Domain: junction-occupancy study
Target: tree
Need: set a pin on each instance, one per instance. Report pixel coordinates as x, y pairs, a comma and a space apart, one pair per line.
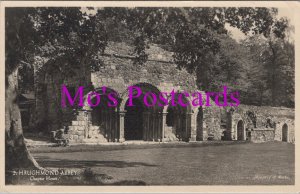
230, 67
19, 45
49, 33
273, 72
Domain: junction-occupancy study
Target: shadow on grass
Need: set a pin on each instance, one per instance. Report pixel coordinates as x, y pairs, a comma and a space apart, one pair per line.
84, 148
52, 163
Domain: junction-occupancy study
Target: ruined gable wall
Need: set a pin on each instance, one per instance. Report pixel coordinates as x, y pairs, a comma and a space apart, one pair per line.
49, 113
118, 70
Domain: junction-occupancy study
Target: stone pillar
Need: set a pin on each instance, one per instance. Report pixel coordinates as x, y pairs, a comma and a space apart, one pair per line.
229, 126
154, 126
103, 123
147, 125
159, 126
186, 127
150, 128
114, 125
121, 126
144, 126
233, 129
108, 132
111, 125
163, 125
181, 128
193, 123
177, 121
88, 123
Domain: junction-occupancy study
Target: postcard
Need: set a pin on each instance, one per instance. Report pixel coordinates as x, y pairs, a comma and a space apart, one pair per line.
149, 96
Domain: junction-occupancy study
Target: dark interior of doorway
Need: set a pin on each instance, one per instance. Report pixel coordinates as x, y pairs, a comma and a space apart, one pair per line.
134, 121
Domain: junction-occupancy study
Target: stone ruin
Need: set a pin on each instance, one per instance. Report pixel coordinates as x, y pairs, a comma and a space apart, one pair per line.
117, 71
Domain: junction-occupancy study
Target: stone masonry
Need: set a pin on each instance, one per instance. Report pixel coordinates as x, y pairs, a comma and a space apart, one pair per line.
117, 71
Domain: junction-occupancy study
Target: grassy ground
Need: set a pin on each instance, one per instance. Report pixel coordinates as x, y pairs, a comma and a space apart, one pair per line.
180, 164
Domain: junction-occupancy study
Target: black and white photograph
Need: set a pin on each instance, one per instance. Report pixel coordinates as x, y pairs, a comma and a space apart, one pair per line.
149, 95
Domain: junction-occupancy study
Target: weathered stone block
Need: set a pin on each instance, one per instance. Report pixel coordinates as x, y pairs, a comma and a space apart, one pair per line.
74, 123
80, 133
80, 118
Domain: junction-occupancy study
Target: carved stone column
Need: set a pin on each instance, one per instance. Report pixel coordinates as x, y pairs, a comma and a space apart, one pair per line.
146, 122
163, 125
108, 124
121, 126
154, 129
193, 126
87, 120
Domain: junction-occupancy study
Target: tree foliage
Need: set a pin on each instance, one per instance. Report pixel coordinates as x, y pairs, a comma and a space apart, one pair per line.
273, 72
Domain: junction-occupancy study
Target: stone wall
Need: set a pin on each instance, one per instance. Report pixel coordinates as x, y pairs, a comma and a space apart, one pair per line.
159, 73
211, 123
49, 113
82, 131
119, 71
262, 135
261, 121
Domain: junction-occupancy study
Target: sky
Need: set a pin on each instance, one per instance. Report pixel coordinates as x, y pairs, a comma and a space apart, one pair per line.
282, 12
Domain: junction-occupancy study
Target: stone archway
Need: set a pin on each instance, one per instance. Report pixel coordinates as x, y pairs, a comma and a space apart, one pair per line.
179, 118
240, 130
285, 133
143, 122
105, 116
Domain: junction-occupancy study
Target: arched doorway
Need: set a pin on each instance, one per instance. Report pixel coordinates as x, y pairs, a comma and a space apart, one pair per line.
179, 118
240, 130
105, 116
134, 121
285, 133
143, 122
200, 124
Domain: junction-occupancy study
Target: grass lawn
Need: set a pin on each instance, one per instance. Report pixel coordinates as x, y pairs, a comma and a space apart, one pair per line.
182, 164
